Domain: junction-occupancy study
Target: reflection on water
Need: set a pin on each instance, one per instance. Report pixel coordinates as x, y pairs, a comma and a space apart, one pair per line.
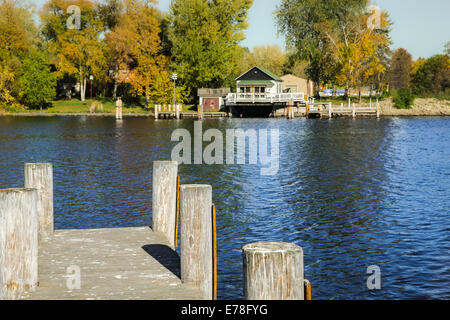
352, 193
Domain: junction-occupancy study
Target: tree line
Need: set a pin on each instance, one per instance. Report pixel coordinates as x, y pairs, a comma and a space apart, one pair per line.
126, 47
129, 48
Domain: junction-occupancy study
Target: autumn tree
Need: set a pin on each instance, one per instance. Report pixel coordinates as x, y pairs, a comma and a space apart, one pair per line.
401, 68
270, 57
23, 60
298, 20
205, 37
335, 39
77, 49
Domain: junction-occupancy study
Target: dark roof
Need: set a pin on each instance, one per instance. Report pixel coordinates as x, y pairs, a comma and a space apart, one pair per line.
258, 73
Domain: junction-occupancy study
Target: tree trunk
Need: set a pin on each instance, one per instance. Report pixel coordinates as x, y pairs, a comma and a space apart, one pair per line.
115, 88
82, 96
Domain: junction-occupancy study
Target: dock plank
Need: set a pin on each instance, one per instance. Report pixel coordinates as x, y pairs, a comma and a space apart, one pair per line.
123, 263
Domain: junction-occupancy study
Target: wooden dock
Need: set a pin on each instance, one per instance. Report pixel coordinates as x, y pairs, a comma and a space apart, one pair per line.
195, 115
114, 264
38, 263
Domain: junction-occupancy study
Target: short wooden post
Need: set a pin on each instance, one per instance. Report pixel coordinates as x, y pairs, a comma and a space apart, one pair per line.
164, 194
330, 113
18, 242
273, 271
196, 237
307, 110
119, 113
40, 176
353, 110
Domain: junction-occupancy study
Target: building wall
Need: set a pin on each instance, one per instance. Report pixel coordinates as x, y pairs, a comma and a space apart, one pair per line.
211, 104
297, 84
271, 89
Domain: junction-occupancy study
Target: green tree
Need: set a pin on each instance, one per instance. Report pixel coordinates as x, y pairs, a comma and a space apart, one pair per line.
400, 70
433, 76
37, 83
205, 37
447, 48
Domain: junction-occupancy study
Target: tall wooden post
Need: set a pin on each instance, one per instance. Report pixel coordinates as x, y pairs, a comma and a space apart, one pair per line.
273, 271
156, 111
164, 194
196, 237
178, 110
378, 109
40, 176
330, 112
353, 110
307, 110
18, 242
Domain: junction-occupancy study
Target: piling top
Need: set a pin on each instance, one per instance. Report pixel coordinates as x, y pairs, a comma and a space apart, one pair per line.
17, 190
196, 186
270, 247
39, 164
165, 162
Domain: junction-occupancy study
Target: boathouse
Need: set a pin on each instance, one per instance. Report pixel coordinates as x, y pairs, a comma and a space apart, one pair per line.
212, 99
259, 94
259, 81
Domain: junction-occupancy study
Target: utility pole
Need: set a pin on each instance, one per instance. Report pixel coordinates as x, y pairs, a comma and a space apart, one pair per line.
91, 77
174, 78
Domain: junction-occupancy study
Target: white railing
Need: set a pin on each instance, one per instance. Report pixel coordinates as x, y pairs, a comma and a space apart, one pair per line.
265, 98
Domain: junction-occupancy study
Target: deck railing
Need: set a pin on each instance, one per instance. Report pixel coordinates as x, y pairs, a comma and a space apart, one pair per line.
265, 98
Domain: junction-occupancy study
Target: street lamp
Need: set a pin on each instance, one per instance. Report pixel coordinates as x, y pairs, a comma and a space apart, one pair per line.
91, 77
174, 78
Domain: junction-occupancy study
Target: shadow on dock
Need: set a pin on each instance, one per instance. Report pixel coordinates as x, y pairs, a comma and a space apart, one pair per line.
166, 256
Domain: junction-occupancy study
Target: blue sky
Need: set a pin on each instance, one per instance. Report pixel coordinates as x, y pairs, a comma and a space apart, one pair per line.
421, 27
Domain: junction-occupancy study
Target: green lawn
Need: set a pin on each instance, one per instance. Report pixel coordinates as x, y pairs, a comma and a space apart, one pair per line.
77, 106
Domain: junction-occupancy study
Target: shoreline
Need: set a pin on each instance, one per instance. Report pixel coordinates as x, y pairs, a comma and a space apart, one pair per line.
429, 107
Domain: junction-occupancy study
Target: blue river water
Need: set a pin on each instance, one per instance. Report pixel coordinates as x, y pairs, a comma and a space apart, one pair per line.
352, 193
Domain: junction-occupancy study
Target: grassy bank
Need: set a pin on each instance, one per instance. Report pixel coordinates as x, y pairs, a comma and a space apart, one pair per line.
76, 106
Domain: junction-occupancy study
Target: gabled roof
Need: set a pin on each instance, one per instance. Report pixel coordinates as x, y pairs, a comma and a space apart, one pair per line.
271, 75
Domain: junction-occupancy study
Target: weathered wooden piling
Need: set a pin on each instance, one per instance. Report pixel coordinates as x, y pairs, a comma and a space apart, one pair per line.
330, 113
196, 237
40, 176
18, 242
273, 271
157, 106
164, 194
178, 111
353, 110
378, 109
119, 113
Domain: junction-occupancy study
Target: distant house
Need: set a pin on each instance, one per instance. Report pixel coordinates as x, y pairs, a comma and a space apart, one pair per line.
294, 84
212, 99
259, 81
